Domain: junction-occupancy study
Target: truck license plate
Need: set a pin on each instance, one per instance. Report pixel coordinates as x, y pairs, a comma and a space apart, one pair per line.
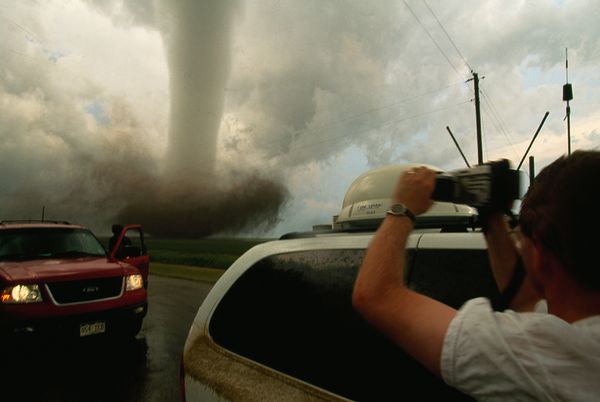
92, 328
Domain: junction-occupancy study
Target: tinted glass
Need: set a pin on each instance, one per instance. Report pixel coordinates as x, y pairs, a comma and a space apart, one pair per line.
452, 276
293, 312
21, 244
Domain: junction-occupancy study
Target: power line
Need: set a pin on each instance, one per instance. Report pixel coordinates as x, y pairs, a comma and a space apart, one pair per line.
447, 35
484, 141
495, 125
390, 105
497, 119
494, 111
388, 123
494, 122
28, 34
26, 31
367, 112
501, 127
431, 37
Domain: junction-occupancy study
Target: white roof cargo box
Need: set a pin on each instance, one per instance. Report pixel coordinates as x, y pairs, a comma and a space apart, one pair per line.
369, 197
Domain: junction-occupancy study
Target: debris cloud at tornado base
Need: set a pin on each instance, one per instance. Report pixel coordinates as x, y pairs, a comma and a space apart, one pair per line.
250, 202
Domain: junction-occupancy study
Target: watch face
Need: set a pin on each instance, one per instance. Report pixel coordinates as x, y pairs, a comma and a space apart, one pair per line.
398, 209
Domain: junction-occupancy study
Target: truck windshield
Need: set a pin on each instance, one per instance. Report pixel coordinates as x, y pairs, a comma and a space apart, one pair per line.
42, 243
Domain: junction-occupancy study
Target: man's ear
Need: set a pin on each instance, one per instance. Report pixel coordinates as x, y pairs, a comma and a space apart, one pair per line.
547, 262
545, 267
533, 255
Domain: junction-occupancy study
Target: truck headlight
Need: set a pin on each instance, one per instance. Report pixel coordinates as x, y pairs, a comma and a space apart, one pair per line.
133, 282
21, 294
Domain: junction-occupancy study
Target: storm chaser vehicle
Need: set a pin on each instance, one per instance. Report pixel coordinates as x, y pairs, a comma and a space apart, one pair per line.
279, 324
57, 281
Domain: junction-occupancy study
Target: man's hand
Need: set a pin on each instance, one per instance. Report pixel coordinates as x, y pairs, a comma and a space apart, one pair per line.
414, 189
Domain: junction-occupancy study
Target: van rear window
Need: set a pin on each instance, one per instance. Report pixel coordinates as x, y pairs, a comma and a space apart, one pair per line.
292, 312
452, 276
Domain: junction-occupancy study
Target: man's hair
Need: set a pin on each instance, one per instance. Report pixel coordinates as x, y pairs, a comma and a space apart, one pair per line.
560, 212
116, 229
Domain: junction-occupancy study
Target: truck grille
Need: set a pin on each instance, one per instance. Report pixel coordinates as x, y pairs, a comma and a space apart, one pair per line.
85, 290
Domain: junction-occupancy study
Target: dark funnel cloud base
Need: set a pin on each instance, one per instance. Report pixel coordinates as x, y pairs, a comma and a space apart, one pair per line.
250, 203
122, 185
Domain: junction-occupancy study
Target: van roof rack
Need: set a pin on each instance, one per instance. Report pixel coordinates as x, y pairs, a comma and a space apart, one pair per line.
452, 223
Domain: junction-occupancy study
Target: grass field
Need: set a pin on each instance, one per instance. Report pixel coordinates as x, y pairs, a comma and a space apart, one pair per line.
196, 259
208, 253
186, 272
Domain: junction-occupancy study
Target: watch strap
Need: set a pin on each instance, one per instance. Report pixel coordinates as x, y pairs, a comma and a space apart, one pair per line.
403, 211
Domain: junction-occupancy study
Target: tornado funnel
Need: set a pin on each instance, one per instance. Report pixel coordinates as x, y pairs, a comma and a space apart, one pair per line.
197, 36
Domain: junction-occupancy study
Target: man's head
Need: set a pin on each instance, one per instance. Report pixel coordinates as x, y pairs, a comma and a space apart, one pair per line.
116, 229
560, 214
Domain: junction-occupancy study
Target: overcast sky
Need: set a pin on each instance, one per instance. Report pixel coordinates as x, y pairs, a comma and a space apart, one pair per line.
309, 94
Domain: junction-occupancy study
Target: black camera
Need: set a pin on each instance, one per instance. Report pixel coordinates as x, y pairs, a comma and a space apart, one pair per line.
492, 186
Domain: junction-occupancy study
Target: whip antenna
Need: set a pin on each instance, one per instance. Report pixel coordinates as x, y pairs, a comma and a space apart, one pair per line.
568, 96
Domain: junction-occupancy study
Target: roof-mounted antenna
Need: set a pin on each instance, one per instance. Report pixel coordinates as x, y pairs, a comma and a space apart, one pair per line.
568, 96
458, 146
534, 137
43, 212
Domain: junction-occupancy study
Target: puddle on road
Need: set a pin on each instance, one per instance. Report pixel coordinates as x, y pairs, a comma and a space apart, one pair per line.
80, 370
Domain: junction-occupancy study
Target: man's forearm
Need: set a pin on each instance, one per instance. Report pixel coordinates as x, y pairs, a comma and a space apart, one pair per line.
383, 267
501, 250
415, 322
503, 260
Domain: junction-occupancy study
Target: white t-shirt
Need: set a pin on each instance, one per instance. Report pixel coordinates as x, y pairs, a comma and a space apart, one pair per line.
509, 356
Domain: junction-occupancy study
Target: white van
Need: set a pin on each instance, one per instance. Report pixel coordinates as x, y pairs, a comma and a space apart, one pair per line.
279, 324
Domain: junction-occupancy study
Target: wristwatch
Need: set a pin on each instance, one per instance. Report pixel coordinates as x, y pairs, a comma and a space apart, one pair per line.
401, 210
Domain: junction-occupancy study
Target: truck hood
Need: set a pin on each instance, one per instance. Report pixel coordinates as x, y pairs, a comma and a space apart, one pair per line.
53, 270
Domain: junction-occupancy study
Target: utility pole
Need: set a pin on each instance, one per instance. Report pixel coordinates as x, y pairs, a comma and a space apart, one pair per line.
477, 118
531, 170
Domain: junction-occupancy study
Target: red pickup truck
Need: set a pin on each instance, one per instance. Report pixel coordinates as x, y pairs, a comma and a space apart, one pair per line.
58, 280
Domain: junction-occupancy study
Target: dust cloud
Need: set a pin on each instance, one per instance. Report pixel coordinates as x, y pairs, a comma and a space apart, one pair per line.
249, 202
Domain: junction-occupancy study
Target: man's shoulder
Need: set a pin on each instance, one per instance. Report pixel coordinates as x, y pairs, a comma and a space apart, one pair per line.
541, 350
521, 332
503, 332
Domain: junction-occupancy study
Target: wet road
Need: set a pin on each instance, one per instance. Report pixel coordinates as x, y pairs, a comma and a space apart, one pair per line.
173, 305
144, 369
